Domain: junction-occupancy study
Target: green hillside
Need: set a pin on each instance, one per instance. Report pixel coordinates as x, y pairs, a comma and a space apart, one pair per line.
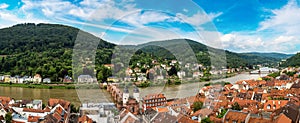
27, 49
293, 61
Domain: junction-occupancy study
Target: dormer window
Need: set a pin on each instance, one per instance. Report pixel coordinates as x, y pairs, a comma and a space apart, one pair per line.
268, 106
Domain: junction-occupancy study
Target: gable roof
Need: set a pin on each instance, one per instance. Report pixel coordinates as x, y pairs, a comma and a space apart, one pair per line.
283, 119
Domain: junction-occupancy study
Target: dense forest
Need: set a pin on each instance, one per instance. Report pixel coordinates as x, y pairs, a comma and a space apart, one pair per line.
293, 61
47, 49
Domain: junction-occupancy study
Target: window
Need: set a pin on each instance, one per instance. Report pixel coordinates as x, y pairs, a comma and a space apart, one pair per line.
268, 106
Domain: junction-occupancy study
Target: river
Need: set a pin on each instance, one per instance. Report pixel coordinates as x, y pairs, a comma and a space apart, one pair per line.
97, 95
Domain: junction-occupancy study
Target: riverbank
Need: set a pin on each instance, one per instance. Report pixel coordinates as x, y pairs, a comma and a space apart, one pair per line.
39, 86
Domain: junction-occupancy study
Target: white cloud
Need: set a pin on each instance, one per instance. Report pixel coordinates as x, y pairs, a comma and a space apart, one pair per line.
139, 19
283, 39
4, 6
199, 18
185, 10
285, 19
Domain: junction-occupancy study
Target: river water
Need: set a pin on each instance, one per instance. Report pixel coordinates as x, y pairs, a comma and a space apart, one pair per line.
97, 95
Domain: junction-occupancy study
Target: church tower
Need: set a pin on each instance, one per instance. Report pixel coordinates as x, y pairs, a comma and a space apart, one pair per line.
136, 94
125, 95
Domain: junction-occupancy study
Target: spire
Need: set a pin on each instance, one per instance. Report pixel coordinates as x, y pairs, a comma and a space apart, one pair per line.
136, 90
125, 90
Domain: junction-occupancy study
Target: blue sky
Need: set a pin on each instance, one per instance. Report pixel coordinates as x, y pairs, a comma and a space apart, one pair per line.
236, 25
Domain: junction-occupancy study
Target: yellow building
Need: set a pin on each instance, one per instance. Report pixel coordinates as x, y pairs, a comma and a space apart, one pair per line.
6, 78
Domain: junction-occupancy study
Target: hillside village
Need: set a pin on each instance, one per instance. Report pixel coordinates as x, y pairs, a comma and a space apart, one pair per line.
139, 73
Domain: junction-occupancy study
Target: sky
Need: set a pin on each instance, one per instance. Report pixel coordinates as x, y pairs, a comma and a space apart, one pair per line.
235, 25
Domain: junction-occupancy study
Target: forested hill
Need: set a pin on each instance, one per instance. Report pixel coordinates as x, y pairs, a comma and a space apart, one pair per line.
293, 61
27, 49
38, 38
270, 55
203, 53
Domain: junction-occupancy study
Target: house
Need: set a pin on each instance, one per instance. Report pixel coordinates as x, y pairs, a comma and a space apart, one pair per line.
283, 119
272, 105
47, 80
128, 72
98, 112
232, 116
25, 79
37, 78
58, 114
67, 79
291, 111
6, 78
202, 113
164, 117
127, 117
197, 74
85, 78
1, 78
85, 119
65, 104
37, 104
153, 100
13, 80
181, 74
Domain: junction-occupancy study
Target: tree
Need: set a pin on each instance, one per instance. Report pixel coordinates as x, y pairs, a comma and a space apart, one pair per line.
8, 118
206, 120
43, 106
236, 106
73, 109
100, 76
172, 71
274, 75
197, 106
223, 112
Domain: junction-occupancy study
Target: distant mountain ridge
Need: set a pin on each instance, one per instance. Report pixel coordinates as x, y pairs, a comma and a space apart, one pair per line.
271, 54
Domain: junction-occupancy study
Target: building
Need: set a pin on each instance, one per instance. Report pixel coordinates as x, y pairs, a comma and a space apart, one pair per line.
85, 78
98, 112
125, 96
47, 80
67, 79
153, 100
85, 119
37, 78
232, 116
6, 78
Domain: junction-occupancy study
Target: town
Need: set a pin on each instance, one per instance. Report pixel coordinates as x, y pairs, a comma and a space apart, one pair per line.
273, 98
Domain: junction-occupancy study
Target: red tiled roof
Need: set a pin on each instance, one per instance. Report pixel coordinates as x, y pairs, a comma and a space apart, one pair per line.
283, 119
34, 110
235, 116
5, 100
53, 102
85, 119
33, 119
154, 96
274, 104
185, 119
